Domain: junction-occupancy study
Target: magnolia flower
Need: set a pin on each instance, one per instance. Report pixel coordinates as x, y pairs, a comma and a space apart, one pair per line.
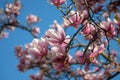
66, 22
57, 2
3, 35
91, 74
35, 31
32, 19
9, 8
33, 54
97, 51
84, 14
89, 28
88, 31
38, 76
60, 59
21, 67
94, 76
13, 8
89, 77
80, 57
73, 20
57, 52
56, 35
109, 28
117, 19
38, 48
18, 51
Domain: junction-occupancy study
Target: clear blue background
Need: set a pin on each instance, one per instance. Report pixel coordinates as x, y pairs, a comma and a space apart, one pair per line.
8, 60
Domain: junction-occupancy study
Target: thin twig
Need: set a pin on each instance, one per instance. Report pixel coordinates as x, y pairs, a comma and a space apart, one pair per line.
113, 76
17, 26
68, 46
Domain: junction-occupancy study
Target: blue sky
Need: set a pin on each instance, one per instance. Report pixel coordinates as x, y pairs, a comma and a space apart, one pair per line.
8, 60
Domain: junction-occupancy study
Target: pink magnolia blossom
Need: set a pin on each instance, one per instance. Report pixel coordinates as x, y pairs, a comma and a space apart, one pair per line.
66, 22
90, 74
18, 50
59, 58
56, 35
97, 51
84, 14
57, 52
79, 56
90, 77
94, 76
25, 59
88, 31
117, 19
38, 76
24, 64
33, 54
89, 28
32, 19
89, 56
21, 67
66, 41
38, 48
57, 2
73, 20
35, 31
13, 8
3, 35
109, 28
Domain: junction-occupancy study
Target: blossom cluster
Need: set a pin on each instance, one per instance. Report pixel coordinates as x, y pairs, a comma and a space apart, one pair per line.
8, 17
50, 52
32, 19
57, 54
9, 21
56, 40
13, 8
53, 54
